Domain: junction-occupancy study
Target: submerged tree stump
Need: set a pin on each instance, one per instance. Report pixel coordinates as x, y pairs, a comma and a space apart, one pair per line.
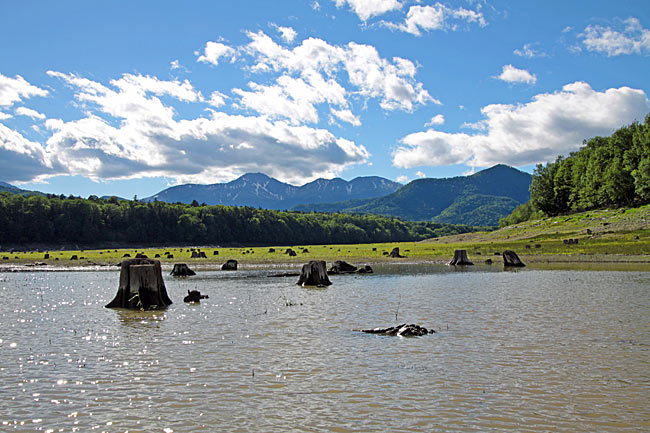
510, 258
181, 270
460, 258
194, 296
141, 286
342, 267
230, 265
314, 273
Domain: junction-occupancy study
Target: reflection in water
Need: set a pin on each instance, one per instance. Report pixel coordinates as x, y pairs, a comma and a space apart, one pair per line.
532, 350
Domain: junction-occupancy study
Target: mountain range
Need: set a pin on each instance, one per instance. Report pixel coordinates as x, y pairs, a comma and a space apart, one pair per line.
260, 190
478, 199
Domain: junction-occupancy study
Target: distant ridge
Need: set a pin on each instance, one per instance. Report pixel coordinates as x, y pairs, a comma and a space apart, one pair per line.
7, 187
478, 199
260, 190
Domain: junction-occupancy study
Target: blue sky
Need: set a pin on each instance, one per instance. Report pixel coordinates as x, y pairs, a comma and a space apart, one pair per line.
127, 98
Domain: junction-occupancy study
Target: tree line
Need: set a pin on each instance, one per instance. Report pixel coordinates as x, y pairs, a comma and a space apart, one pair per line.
607, 172
55, 219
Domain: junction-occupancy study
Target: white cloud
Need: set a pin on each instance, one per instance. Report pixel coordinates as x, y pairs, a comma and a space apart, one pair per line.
510, 74
28, 112
421, 174
5, 116
366, 9
288, 34
149, 141
551, 124
346, 116
436, 17
217, 99
402, 179
213, 51
632, 39
529, 51
312, 74
16, 89
438, 119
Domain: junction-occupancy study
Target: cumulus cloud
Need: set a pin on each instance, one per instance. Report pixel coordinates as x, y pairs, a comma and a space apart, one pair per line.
631, 39
529, 51
366, 9
551, 124
321, 66
346, 116
510, 74
438, 119
5, 116
17, 89
28, 112
128, 132
436, 17
288, 34
421, 174
213, 51
402, 179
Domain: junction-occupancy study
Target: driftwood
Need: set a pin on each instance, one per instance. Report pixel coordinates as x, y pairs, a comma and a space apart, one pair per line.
510, 258
395, 253
194, 296
342, 267
182, 270
230, 265
314, 273
141, 286
460, 258
402, 330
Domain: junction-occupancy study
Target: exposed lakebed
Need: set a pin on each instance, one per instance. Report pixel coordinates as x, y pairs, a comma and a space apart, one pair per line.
525, 350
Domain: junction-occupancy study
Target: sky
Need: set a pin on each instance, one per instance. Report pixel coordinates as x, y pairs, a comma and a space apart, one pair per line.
128, 98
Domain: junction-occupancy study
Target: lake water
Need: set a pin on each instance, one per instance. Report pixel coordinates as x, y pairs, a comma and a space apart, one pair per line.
525, 351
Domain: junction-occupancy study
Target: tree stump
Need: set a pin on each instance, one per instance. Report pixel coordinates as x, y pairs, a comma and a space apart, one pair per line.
460, 258
341, 267
230, 265
194, 296
182, 270
510, 258
291, 252
395, 253
141, 286
314, 273
215, 253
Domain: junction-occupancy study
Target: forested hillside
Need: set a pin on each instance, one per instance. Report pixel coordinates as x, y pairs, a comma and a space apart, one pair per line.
56, 220
607, 172
478, 199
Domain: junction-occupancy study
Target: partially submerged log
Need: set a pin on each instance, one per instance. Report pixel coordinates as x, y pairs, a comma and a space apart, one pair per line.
181, 270
141, 286
230, 265
510, 258
395, 253
460, 258
194, 296
402, 330
342, 267
314, 273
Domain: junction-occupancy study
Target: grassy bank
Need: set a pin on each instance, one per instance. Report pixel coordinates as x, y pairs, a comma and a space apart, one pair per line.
602, 236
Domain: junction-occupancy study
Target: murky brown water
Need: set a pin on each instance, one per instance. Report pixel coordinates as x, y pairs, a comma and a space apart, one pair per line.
525, 351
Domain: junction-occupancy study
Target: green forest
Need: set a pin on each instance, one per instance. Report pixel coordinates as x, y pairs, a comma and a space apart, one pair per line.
55, 220
607, 172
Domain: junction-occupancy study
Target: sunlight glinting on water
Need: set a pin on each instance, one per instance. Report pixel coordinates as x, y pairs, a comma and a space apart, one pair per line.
514, 351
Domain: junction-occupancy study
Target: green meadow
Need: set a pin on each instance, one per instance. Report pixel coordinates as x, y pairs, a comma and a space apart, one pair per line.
617, 235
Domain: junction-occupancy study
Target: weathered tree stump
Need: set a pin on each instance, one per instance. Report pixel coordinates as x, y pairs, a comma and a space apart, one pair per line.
230, 265
46, 256
395, 253
141, 256
141, 286
271, 250
202, 255
510, 258
365, 270
195, 254
73, 257
291, 252
314, 273
460, 258
182, 270
342, 267
215, 253
194, 296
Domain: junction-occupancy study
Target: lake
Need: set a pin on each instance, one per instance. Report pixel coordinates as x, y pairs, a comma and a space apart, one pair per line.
526, 351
